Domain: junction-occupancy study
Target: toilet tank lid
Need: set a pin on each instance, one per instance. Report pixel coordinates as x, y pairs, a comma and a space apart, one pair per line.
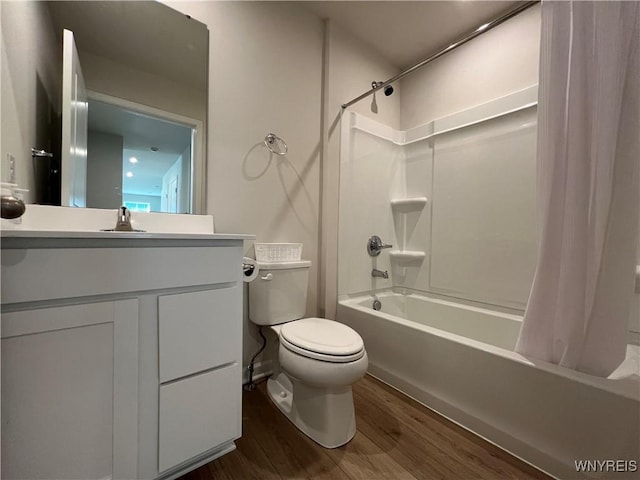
283, 265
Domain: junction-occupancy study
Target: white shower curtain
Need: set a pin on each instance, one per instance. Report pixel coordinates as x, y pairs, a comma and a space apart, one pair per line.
588, 185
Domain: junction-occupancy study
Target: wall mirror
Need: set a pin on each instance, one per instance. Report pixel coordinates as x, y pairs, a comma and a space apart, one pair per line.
145, 71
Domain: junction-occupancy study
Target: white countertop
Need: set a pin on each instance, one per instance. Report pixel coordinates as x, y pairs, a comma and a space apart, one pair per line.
50, 222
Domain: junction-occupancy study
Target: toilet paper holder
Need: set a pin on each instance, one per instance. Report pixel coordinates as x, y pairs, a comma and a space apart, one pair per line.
249, 269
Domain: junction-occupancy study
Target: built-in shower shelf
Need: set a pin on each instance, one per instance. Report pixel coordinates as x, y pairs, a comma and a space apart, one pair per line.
407, 256
408, 204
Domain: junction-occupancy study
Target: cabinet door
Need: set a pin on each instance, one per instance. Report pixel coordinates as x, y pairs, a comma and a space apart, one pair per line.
198, 414
198, 331
67, 384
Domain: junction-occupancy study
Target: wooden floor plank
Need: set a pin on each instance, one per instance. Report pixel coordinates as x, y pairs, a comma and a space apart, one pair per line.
405, 445
397, 438
362, 459
485, 459
292, 454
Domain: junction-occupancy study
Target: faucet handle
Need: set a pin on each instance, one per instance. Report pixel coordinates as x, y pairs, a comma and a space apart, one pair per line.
375, 246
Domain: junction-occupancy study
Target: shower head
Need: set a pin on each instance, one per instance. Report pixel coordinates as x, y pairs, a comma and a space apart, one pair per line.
388, 90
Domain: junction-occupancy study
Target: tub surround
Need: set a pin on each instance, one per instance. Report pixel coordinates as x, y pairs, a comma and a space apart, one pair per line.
444, 194
135, 336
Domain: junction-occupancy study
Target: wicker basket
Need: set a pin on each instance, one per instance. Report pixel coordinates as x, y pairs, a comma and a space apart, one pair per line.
278, 252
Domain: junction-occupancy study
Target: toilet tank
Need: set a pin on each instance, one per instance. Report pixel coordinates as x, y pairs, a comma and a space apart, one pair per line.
279, 293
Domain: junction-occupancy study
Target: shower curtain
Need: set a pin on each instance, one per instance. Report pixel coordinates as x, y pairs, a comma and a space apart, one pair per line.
588, 185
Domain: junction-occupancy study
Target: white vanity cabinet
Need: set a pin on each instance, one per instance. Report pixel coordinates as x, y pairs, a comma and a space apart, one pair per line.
121, 354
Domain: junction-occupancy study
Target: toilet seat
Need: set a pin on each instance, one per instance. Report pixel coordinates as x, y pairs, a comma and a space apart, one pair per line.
322, 339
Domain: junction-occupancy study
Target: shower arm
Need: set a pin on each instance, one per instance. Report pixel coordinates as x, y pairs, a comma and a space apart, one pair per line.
483, 28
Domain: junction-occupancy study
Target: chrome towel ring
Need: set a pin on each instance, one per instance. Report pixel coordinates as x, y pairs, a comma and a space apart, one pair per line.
275, 144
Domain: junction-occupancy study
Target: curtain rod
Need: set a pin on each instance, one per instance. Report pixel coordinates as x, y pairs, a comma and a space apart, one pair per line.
483, 28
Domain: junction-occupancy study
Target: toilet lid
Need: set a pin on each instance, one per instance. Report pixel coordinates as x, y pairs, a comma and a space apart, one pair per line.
322, 339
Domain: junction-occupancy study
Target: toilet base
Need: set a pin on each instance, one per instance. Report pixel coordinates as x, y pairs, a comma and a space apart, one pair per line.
324, 414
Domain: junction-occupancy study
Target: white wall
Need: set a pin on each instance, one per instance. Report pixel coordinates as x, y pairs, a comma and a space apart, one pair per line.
351, 66
265, 73
104, 170
123, 81
498, 62
30, 78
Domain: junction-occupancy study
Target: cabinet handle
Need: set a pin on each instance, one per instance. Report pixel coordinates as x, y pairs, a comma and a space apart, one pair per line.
267, 277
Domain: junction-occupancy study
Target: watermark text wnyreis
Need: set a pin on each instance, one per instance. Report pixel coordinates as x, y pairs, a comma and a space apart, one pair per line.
599, 466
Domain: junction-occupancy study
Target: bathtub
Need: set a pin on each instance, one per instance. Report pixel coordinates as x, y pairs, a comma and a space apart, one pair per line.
459, 361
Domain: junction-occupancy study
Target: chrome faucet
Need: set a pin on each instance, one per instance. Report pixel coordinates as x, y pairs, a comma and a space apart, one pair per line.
379, 273
123, 224
375, 246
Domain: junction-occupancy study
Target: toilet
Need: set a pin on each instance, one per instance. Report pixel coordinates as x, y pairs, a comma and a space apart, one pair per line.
318, 359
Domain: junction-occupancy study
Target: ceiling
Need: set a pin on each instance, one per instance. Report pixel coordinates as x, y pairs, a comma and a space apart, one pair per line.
405, 32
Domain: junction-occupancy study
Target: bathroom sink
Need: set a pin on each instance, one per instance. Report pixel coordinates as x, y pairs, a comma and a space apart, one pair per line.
122, 231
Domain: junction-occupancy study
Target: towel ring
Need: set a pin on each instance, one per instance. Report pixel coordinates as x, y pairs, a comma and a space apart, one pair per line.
275, 144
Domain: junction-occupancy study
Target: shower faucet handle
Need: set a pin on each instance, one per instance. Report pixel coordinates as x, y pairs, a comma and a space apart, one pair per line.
375, 246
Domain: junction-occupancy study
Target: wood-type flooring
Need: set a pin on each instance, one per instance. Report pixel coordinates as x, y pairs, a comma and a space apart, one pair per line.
397, 438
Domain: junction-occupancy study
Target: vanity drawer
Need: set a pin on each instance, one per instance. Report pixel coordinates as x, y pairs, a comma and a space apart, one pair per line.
104, 271
198, 414
198, 331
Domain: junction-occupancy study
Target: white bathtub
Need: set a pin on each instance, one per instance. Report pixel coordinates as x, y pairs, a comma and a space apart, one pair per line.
459, 361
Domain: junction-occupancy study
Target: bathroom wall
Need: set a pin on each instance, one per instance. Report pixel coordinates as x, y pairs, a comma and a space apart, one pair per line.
351, 66
265, 75
30, 81
498, 62
104, 170
123, 81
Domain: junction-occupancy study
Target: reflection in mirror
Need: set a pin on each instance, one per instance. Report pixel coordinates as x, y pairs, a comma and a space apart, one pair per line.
145, 67
137, 159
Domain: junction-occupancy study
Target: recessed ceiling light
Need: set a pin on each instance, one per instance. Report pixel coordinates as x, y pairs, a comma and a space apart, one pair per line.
154, 149
133, 160
129, 174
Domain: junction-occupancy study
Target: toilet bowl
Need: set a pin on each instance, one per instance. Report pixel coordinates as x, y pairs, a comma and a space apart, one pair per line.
318, 359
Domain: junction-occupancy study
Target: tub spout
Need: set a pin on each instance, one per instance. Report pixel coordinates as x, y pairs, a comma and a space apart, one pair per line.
379, 273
